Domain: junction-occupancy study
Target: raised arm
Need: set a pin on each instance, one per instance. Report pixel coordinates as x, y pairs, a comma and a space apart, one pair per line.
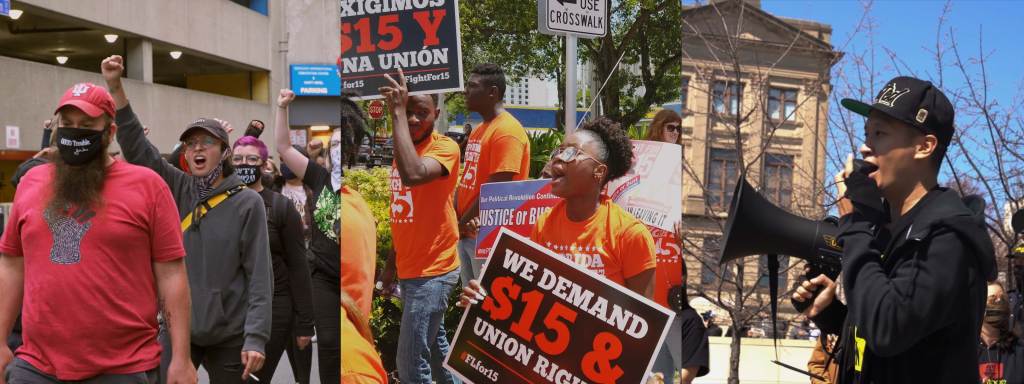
413, 169
294, 159
130, 133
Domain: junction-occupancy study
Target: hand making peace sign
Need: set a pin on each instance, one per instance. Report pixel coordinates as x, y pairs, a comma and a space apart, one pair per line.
397, 94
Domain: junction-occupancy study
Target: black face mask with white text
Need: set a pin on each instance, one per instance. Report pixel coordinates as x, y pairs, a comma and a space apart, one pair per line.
78, 146
250, 174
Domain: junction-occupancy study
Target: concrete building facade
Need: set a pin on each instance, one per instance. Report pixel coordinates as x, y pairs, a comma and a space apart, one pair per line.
184, 59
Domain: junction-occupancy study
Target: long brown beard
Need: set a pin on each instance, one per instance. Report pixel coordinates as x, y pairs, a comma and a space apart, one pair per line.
79, 186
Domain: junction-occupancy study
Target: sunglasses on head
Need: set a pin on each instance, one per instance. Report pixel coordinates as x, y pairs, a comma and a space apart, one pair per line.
570, 154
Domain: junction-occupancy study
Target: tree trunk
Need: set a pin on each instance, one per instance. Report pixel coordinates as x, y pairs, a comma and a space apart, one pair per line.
734, 356
737, 325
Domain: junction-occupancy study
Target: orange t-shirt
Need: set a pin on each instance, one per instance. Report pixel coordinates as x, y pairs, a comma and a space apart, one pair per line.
612, 242
360, 363
359, 250
497, 146
423, 222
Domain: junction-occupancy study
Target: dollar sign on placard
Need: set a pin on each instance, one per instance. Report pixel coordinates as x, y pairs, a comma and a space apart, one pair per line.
498, 303
597, 363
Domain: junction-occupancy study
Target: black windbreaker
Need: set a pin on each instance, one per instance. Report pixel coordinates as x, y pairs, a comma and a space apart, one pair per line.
915, 295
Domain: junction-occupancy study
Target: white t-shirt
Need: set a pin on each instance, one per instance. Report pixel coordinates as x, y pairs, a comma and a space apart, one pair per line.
297, 194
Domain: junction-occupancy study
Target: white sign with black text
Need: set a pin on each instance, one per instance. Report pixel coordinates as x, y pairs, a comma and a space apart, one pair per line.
582, 18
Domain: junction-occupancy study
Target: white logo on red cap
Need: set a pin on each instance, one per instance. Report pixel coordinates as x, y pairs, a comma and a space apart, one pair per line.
80, 89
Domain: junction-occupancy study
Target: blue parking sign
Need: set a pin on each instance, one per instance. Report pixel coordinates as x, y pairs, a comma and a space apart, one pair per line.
315, 80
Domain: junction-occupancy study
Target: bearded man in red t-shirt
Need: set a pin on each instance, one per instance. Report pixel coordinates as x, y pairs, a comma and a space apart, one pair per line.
92, 250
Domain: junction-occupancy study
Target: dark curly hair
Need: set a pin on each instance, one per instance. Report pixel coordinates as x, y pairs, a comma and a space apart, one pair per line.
352, 120
615, 146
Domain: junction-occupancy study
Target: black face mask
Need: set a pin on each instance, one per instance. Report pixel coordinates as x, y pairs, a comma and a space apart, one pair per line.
268, 180
78, 146
250, 174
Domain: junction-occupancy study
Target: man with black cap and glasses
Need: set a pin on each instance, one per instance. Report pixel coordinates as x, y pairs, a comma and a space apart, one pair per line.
225, 236
915, 259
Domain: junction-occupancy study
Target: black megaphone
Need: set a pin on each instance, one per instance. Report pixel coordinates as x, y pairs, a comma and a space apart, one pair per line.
755, 226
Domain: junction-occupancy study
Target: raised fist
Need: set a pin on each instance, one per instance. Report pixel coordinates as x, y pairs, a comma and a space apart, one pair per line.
285, 98
112, 68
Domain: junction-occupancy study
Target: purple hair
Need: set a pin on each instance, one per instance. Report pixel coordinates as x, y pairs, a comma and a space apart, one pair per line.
249, 141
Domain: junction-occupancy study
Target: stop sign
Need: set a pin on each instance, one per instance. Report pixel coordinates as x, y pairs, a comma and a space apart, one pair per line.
376, 109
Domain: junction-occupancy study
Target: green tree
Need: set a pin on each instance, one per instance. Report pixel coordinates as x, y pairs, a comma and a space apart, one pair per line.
644, 33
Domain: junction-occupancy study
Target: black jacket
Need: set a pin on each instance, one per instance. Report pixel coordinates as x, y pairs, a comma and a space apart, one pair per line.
1001, 363
915, 294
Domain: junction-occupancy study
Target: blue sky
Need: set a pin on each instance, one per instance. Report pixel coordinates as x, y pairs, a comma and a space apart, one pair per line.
909, 28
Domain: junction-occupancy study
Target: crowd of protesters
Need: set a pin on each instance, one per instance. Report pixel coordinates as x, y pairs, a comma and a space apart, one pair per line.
140, 267
133, 267
435, 190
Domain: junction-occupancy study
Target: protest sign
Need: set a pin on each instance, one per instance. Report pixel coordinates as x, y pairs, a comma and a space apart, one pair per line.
669, 272
515, 205
653, 189
548, 320
419, 36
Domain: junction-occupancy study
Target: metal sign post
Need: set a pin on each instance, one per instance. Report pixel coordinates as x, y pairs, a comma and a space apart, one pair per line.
570, 83
572, 18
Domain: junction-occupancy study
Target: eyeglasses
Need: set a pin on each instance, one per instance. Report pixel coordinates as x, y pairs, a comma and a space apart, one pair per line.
250, 160
202, 141
570, 154
673, 128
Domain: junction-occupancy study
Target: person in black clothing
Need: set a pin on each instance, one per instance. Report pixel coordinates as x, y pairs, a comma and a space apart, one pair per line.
1001, 352
292, 312
692, 353
915, 258
301, 360
326, 186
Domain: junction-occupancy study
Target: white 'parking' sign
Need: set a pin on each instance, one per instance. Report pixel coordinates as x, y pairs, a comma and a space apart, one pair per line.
583, 18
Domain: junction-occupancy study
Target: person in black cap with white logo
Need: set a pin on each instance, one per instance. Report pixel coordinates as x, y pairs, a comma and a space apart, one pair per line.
224, 228
915, 259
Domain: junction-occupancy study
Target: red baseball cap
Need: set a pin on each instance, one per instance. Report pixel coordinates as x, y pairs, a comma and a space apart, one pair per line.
90, 98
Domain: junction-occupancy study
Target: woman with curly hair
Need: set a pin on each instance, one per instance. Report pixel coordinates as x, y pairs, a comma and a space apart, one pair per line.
666, 127
620, 246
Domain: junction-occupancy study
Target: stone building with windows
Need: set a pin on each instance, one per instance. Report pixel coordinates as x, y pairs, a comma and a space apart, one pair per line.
764, 81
